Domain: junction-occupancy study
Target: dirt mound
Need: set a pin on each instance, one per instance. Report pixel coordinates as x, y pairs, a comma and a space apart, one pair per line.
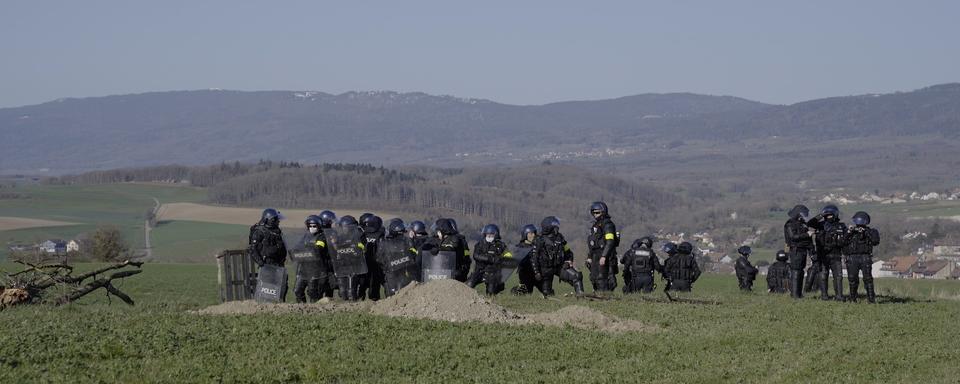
444, 300
447, 300
250, 307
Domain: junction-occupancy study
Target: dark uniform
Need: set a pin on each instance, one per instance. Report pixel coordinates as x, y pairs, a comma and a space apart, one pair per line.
373, 233
312, 278
451, 241
681, 269
830, 239
859, 252
266, 244
489, 253
397, 258
778, 275
350, 285
746, 272
602, 243
639, 262
796, 234
327, 220
553, 258
525, 272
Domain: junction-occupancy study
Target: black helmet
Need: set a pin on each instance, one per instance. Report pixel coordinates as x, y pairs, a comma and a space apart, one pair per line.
491, 229
312, 219
861, 218
445, 227
419, 227
645, 241
745, 250
347, 221
549, 224
830, 210
599, 206
271, 217
781, 255
685, 248
396, 227
364, 217
669, 248
529, 228
372, 223
453, 224
327, 218
799, 210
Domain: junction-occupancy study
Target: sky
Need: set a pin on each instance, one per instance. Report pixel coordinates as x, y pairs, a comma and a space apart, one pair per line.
518, 52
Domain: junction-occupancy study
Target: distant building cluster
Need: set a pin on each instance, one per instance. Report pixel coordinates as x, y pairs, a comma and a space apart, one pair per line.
50, 247
894, 198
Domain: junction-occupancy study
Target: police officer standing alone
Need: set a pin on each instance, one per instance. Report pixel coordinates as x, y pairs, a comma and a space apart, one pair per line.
859, 252
603, 249
640, 261
746, 272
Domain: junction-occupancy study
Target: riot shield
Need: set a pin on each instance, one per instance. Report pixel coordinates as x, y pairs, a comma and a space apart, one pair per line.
400, 264
303, 254
271, 284
510, 264
441, 266
346, 251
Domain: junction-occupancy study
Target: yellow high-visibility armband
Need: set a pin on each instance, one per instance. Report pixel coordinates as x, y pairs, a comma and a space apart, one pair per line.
361, 246
507, 254
566, 247
609, 236
321, 244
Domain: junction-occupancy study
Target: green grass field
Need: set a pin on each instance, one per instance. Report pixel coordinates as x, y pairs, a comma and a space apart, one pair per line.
120, 205
745, 338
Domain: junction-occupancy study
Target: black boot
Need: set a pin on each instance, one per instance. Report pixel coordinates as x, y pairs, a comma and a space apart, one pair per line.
824, 292
578, 288
871, 295
853, 291
796, 284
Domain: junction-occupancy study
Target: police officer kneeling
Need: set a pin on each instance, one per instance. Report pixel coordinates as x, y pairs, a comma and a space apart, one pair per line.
489, 253
640, 262
746, 272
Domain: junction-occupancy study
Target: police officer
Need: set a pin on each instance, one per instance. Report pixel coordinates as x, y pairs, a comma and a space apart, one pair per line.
746, 272
681, 269
397, 258
830, 239
417, 232
310, 271
797, 235
858, 249
328, 281
266, 244
778, 275
553, 257
350, 286
525, 272
603, 241
640, 261
373, 233
448, 239
489, 253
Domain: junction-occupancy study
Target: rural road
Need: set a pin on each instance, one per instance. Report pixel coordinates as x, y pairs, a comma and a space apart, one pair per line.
147, 248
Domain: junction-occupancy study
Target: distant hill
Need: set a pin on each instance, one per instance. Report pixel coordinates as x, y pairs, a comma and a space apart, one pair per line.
203, 127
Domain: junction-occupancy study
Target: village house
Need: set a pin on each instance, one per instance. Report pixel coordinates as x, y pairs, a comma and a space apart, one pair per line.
54, 246
934, 269
73, 246
900, 266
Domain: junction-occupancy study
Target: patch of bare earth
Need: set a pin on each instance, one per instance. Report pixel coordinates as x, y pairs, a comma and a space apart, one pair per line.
447, 300
10, 223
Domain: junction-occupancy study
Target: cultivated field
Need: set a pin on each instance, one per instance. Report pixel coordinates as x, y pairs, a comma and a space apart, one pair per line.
721, 335
12, 223
245, 216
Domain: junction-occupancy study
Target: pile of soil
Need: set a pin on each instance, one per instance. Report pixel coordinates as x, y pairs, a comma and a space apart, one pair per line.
444, 300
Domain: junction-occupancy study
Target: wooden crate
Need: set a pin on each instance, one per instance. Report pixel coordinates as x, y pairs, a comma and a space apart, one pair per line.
236, 275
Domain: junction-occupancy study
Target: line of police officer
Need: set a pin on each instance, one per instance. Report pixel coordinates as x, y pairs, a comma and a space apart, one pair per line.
395, 256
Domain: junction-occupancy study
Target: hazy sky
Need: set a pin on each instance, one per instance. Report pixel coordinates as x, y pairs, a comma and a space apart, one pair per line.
522, 52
